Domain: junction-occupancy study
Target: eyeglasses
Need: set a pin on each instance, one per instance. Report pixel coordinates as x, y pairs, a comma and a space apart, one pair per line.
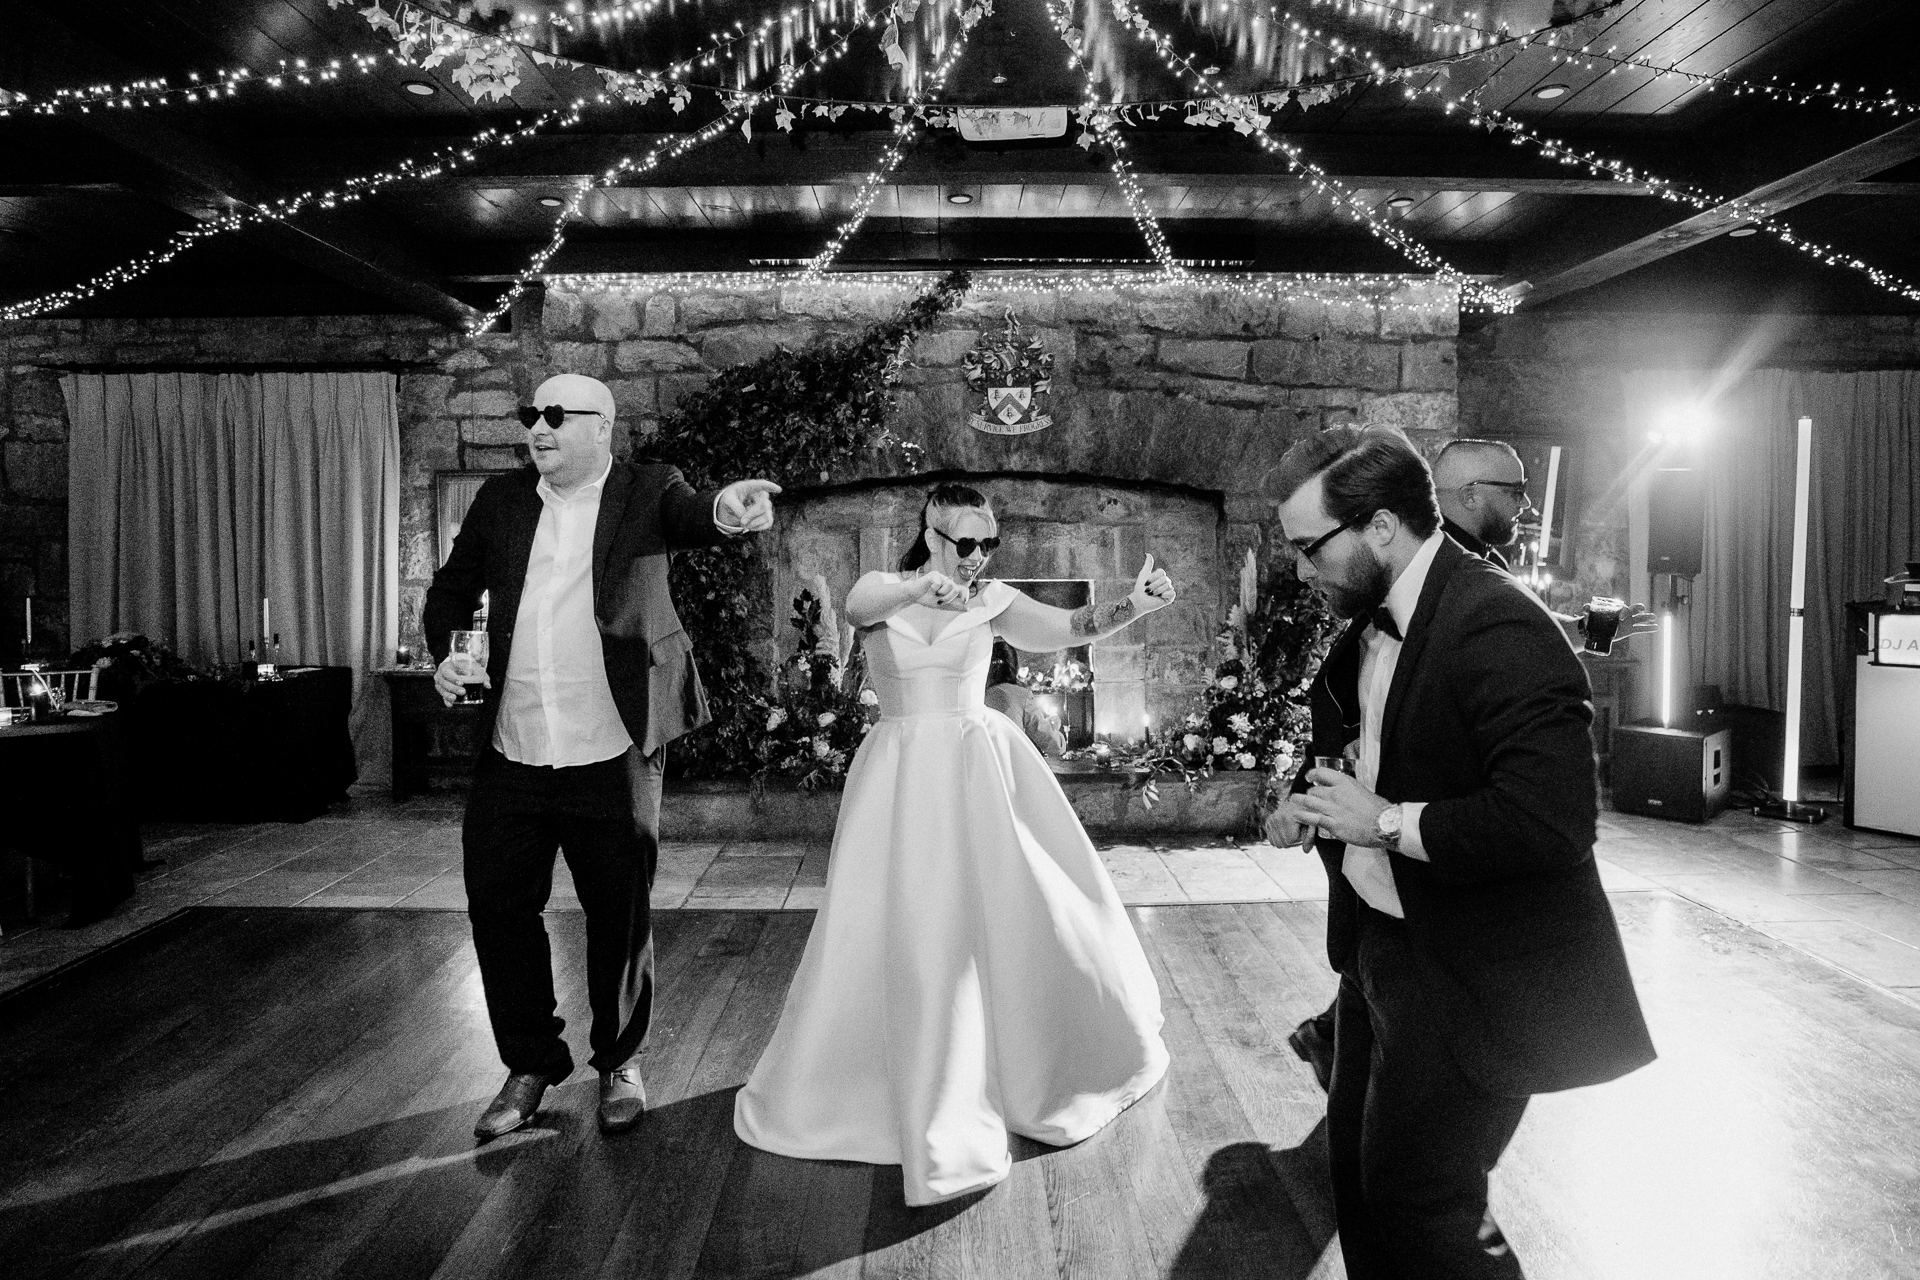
554, 415
963, 547
1321, 541
1518, 488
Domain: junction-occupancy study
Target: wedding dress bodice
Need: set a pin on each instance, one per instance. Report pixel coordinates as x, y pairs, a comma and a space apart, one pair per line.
947, 676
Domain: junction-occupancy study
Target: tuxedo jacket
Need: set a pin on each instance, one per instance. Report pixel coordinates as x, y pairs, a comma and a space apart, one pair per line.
1487, 720
646, 511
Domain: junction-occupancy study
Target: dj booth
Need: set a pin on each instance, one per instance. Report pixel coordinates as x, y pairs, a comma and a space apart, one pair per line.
1882, 710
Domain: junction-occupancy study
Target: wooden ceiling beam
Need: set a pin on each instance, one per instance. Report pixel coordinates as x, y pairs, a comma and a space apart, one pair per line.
1553, 277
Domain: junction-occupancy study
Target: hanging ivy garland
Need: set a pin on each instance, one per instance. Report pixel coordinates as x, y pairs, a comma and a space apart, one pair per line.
797, 418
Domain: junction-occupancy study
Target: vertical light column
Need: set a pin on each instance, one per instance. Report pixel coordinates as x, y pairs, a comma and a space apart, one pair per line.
1666, 662
1797, 613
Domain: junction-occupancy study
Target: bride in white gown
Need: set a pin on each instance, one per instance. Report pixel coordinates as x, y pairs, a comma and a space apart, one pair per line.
972, 972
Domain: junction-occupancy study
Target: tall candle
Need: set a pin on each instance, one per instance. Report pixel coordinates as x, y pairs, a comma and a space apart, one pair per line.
266, 617
29, 619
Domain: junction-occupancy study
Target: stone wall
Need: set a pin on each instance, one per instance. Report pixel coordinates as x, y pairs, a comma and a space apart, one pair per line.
1198, 391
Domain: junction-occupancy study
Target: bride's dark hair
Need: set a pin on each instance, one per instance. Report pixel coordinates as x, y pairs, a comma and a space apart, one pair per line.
947, 497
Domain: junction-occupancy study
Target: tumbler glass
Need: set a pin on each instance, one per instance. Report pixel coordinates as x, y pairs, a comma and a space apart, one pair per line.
471, 647
1603, 621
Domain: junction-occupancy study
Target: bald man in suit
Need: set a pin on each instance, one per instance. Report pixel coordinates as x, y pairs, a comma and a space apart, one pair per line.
589, 676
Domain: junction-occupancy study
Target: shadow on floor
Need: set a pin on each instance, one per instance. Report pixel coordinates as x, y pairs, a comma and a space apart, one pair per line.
1268, 1213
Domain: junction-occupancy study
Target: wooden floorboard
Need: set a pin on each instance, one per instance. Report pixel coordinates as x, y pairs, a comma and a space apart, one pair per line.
252, 1092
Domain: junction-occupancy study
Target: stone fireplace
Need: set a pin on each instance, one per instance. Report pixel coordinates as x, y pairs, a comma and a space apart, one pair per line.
1053, 532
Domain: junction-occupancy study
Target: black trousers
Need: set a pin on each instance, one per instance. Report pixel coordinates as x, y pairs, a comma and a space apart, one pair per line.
606, 818
1410, 1139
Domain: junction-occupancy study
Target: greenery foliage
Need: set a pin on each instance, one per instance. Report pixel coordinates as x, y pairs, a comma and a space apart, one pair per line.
1254, 713
796, 418
819, 711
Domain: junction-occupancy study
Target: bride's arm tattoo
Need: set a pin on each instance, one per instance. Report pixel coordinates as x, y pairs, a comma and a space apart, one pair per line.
1091, 621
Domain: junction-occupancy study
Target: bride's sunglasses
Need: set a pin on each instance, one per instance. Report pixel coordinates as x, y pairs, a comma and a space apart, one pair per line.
963, 547
553, 414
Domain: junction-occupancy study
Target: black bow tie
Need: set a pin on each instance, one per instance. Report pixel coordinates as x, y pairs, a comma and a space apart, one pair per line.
1383, 623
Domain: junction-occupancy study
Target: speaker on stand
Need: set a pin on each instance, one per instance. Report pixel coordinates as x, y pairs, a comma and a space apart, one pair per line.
1665, 768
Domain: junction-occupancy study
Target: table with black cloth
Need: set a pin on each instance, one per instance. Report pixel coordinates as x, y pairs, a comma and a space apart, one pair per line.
432, 742
70, 802
245, 751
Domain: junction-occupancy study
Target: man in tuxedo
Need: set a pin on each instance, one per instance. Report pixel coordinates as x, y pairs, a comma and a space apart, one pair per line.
588, 677
1479, 961
1482, 489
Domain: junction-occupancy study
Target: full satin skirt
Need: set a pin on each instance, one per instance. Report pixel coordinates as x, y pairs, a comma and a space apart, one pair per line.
972, 973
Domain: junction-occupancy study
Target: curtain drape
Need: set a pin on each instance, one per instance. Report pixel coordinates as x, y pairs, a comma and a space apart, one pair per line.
194, 497
1864, 521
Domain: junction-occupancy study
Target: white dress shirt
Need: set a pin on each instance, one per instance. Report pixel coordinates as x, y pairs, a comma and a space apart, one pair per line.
1370, 871
557, 708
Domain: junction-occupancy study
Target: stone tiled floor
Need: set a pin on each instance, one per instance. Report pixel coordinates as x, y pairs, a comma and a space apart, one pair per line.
1851, 898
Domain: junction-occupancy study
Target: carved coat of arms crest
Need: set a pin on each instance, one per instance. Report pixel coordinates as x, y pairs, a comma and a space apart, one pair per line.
1013, 374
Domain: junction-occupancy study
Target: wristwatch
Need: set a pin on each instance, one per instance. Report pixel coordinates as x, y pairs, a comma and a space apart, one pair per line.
1386, 828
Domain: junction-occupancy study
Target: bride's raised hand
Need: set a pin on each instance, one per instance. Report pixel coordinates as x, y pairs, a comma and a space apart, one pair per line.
938, 591
1152, 589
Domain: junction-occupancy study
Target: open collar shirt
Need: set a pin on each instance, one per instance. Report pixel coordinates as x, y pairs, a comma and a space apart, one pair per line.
557, 708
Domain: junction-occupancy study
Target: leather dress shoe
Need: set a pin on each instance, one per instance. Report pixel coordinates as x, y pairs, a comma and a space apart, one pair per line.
514, 1106
623, 1098
1314, 1046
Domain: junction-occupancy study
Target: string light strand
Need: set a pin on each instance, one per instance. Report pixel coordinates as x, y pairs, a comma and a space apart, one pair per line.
905, 129
739, 109
1245, 117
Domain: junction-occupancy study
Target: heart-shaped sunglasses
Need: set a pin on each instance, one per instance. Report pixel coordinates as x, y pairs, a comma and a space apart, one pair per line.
964, 546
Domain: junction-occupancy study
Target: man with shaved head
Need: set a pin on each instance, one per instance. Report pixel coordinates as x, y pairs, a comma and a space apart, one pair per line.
589, 676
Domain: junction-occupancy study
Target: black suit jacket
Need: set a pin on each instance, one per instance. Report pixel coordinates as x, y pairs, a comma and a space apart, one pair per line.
1487, 721
646, 511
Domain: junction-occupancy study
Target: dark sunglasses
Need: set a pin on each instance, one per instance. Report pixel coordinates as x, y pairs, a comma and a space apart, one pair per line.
554, 414
964, 546
1329, 536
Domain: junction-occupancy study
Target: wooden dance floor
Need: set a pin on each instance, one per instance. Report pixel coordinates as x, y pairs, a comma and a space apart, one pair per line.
289, 1093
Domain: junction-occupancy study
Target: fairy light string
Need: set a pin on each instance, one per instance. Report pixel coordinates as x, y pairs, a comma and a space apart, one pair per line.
455, 156
1585, 56
1098, 119
905, 129
1737, 210
1394, 294
448, 159
739, 109
1244, 115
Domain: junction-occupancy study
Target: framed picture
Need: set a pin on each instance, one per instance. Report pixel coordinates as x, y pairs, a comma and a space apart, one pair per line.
452, 494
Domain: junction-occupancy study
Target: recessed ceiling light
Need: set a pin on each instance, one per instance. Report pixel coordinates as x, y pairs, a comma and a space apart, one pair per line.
959, 197
1742, 232
551, 202
418, 88
999, 79
1400, 202
1548, 92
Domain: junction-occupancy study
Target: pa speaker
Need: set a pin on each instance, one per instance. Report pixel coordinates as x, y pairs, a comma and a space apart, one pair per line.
1676, 522
1671, 773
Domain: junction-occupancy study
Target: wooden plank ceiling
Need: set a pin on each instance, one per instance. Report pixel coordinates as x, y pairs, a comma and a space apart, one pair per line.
81, 193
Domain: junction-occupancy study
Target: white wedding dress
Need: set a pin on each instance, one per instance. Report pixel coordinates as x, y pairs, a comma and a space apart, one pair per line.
972, 972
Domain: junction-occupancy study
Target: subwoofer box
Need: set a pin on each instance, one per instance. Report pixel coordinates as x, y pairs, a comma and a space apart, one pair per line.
1680, 774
